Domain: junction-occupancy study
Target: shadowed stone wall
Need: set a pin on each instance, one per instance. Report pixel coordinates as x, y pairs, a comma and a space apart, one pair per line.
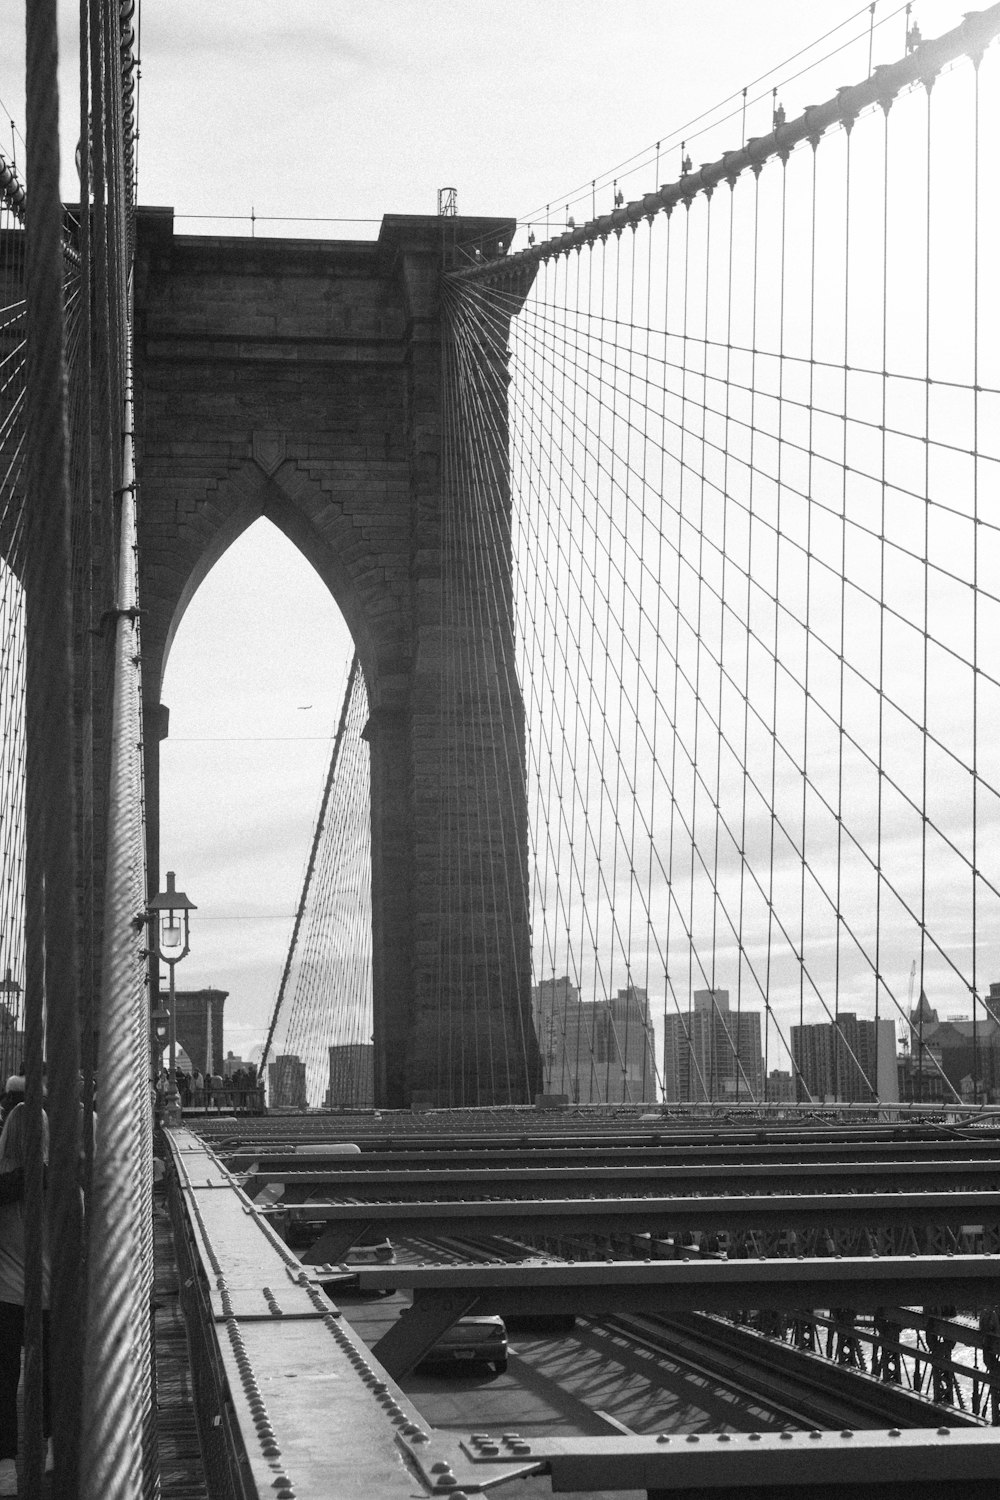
301, 381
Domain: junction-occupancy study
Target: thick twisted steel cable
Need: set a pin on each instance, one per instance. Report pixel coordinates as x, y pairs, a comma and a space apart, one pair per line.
52, 892
115, 1387
118, 1437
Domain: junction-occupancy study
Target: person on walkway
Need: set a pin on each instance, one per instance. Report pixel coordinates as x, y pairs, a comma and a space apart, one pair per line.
13, 1093
13, 1153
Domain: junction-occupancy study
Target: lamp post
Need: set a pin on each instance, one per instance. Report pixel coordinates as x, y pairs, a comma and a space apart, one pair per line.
170, 909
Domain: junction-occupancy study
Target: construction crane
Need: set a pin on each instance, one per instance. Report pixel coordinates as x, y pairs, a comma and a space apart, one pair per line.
905, 1041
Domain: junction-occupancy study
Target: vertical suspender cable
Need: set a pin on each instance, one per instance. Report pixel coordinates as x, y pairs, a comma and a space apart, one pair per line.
53, 897
925, 644
841, 1079
976, 392
883, 396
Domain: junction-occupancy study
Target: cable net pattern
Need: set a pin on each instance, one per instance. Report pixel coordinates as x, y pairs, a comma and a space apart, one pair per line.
12, 661
320, 1048
753, 456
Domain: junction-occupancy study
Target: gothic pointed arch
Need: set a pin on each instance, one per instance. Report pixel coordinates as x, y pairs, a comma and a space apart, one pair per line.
302, 381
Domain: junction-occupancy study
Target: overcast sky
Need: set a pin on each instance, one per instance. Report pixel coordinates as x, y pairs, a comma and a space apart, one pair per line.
336, 111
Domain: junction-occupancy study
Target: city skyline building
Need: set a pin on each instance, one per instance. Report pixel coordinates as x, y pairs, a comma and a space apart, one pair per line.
286, 1082
352, 1076
712, 1054
956, 1055
595, 1052
779, 1087
846, 1061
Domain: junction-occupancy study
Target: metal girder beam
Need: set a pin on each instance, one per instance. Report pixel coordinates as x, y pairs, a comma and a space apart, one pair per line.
944, 1463
593, 1287
335, 1241
546, 1182
813, 1463
303, 1408
644, 1151
771, 1211
419, 1327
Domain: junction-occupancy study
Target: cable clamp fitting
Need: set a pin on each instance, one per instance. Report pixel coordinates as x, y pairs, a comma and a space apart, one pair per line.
112, 616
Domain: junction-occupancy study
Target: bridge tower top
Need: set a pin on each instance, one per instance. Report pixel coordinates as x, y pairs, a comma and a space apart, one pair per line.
305, 381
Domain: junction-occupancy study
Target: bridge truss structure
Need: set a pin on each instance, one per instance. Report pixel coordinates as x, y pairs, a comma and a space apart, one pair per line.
728, 1239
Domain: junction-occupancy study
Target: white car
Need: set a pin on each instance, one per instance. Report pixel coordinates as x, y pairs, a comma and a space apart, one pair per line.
472, 1340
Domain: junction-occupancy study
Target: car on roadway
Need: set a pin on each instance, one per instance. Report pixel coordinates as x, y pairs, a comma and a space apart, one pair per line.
471, 1341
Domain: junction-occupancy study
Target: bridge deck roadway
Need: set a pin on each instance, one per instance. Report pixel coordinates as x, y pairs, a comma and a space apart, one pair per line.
317, 1413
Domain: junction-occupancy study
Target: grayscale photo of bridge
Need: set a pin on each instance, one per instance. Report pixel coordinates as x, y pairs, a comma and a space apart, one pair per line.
499, 750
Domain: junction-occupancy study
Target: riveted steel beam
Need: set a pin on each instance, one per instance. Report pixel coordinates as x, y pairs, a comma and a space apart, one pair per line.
941, 1461
771, 1211
649, 1150
419, 1327
593, 1287
303, 1410
567, 1182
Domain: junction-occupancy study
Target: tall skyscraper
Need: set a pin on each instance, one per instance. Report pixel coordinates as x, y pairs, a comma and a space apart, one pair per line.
848, 1061
712, 1054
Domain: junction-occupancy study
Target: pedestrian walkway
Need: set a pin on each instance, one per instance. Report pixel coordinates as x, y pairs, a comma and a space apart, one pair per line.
182, 1474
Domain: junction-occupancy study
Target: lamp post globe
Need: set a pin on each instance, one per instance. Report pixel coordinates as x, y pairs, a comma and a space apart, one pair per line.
169, 910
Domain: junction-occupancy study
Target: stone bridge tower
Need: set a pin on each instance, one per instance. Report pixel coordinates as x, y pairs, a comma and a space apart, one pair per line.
302, 381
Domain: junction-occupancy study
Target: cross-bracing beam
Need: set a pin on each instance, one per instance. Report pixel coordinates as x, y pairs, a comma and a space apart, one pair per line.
346, 1222
597, 1288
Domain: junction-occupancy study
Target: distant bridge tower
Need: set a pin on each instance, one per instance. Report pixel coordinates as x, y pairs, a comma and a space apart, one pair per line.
303, 381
